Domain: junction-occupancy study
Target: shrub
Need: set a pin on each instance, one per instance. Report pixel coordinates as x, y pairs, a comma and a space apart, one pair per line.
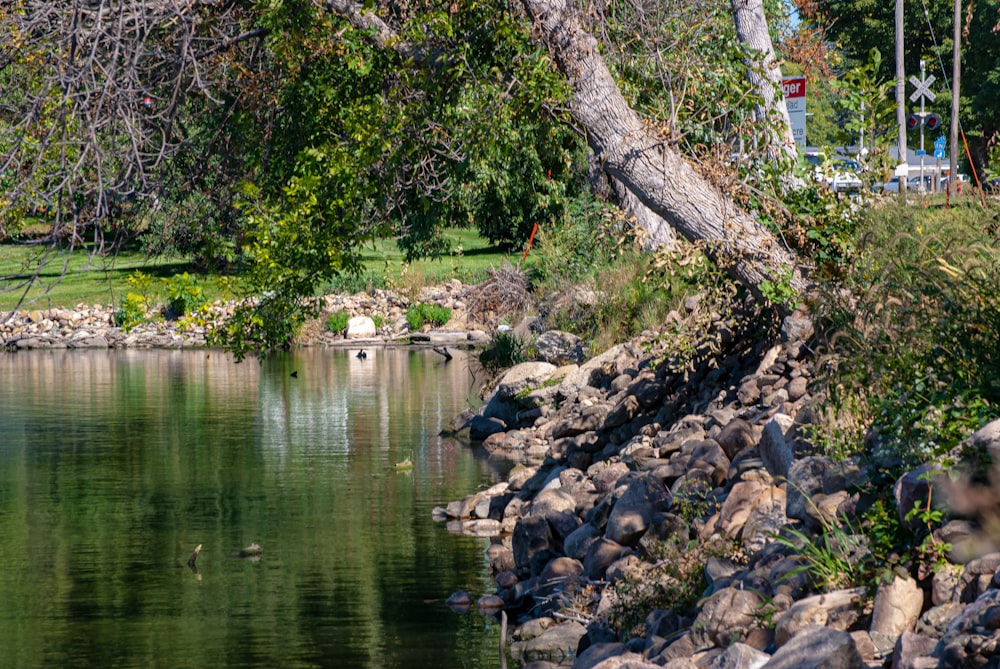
676, 582
505, 293
633, 293
505, 350
337, 322
183, 294
570, 249
420, 314
347, 283
131, 311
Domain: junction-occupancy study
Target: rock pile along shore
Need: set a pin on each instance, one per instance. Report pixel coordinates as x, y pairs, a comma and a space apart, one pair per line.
640, 477
93, 326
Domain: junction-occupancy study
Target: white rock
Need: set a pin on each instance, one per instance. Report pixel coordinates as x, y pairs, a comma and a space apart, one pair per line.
360, 327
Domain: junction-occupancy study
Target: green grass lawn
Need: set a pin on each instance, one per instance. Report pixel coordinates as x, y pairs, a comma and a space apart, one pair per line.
66, 280
383, 264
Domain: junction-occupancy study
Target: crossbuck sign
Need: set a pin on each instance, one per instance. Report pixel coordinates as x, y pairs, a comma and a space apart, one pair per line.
923, 86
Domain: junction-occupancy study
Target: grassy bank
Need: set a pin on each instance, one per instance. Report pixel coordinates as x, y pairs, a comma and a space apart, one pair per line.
69, 278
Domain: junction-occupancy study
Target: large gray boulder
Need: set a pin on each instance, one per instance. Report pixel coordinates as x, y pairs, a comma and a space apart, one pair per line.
805, 479
740, 656
897, 607
818, 647
601, 554
774, 449
589, 372
481, 427
973, 638
837, 610
556, 644
532, 535
633, 512
580, 540
560, 348
726, 617
504, 403
743, 498
521, 377
361, 327
735, 437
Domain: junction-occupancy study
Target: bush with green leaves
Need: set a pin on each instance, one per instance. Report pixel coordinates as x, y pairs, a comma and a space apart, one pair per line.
131, 311
626, 293
183, 294
337, 321
418, 315
568, 249
260, 325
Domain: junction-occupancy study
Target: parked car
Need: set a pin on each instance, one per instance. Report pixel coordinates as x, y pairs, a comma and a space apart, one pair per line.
912, 185
892, 185
840, 176
844, 178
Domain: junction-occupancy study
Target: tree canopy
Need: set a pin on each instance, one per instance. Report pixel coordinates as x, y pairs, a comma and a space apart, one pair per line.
277, 138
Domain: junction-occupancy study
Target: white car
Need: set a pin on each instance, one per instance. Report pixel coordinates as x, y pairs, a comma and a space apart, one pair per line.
845, 177
912, 185
840, 176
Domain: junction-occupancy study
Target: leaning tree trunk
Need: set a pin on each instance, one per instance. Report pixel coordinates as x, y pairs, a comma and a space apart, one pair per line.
765, 76
650, 167
657, 233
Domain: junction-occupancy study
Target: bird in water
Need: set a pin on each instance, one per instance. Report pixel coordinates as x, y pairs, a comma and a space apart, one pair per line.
362, 355
294, 374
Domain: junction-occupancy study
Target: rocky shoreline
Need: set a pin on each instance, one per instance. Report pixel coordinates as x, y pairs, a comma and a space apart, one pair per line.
93, 326
634, 469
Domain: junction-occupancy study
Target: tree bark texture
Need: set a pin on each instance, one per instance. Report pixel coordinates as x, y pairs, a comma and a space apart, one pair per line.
657, 232
764, 74
655, 171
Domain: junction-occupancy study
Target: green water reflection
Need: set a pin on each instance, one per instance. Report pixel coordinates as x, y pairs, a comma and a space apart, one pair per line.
115, 465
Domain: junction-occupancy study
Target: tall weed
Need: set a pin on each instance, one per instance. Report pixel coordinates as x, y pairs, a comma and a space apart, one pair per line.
914, 328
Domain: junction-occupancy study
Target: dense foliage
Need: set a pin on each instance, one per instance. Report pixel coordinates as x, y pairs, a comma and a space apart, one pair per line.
858, 26
276, 139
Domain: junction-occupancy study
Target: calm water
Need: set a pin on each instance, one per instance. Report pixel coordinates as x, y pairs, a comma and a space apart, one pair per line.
115, 465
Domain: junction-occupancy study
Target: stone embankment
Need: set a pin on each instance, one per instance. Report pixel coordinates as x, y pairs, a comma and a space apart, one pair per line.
93, 326
634, 465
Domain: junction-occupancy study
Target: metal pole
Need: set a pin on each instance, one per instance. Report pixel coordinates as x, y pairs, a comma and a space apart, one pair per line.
956, 73
923, 69
901, 98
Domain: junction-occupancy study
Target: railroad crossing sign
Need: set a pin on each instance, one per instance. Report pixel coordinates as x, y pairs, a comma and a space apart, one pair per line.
923, 86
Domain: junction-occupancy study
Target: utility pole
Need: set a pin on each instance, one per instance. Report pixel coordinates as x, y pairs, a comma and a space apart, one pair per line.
901, 100
956, 73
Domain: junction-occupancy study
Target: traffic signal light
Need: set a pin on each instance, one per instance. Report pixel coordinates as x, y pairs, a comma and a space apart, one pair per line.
929, 121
